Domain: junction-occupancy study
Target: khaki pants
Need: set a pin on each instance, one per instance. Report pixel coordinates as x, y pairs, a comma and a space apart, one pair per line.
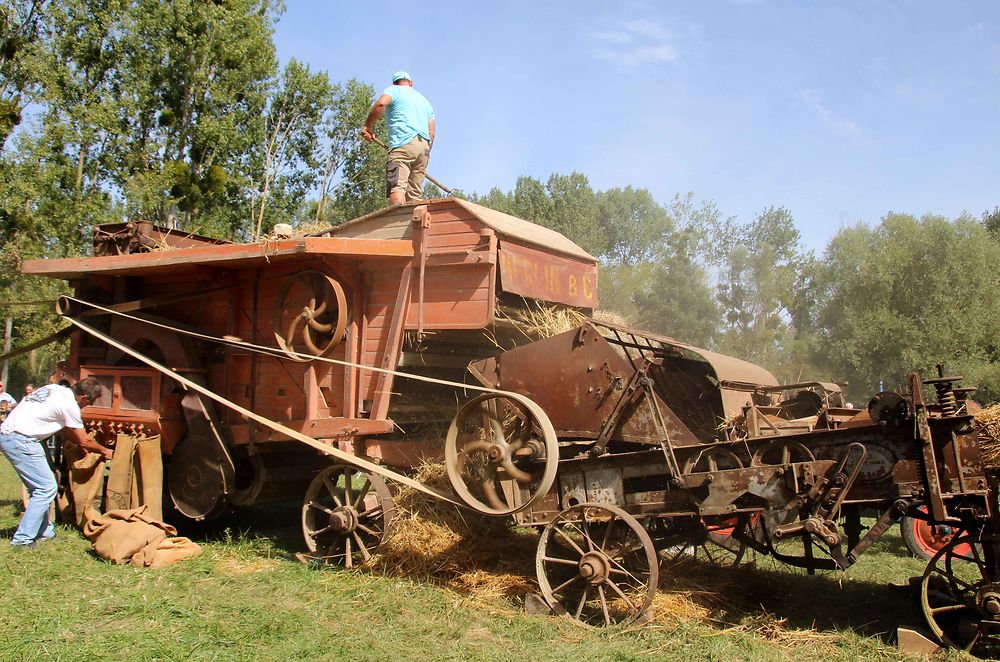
406, 169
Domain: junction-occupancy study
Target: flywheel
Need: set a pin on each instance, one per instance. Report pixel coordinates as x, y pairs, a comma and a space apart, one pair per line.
501, 453
198, 480
310, 315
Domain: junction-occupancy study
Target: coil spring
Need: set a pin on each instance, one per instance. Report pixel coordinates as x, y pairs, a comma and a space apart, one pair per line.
946, 398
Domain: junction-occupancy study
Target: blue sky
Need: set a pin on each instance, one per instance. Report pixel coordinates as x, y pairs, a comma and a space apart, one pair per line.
838, 111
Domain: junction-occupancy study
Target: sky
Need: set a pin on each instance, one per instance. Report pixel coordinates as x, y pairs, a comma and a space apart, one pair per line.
838, 111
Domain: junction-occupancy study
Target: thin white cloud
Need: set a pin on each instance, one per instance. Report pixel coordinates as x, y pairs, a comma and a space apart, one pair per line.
841, 126
635, 43
647, 28
617, 37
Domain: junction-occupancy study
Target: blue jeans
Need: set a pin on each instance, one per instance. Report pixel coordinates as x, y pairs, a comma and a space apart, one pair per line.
30, 463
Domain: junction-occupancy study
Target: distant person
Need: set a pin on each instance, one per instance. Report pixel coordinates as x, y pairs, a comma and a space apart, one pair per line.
49, 410
29, 389
410, 119
6, 398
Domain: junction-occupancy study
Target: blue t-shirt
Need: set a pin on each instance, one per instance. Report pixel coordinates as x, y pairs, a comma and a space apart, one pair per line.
407, 115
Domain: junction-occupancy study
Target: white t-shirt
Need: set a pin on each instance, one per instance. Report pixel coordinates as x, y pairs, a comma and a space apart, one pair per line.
43, 413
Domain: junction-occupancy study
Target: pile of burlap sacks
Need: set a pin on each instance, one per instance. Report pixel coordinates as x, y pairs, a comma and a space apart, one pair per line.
131, 530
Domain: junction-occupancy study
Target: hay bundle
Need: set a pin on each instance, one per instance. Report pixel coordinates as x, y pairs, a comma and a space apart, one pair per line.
988, 422
468, 552
306, 228
538, 320
487, 558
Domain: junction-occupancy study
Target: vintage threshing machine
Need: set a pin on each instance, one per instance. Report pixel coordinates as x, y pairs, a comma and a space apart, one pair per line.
327, 365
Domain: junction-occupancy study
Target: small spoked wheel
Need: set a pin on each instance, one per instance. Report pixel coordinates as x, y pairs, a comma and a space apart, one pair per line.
780, 453
501, 453
597, 564
310, 315
715, 543
960, 594
346, 514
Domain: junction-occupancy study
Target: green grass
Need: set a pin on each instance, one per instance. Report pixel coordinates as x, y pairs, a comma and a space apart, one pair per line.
245, 598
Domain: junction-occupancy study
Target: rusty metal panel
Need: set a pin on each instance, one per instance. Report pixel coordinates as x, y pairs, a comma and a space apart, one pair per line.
578, 378
525, 232
604, 486
459, 296
540, 275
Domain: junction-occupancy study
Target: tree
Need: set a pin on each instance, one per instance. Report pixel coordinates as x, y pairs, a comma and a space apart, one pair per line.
674, 295
194, 84
759, 274
290, 157
575, 211
632, 223
342, 144
991, 221
908, 294
22, 30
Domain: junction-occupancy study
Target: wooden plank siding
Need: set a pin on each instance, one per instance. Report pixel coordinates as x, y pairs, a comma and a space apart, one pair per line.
428, 266
458, 295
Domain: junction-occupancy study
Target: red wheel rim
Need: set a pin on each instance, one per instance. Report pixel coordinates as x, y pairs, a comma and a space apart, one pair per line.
725, 527
932, 537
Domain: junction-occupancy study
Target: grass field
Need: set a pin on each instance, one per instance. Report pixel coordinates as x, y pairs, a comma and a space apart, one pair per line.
245, 598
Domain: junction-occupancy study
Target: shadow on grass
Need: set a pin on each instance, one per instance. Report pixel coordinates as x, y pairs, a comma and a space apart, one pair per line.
278, 522
826, 602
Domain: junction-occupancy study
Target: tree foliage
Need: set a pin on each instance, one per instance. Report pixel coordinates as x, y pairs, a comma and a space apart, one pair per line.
177, 112
908, 294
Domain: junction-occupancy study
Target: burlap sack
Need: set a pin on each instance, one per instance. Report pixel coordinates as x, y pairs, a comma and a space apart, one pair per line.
168, 550
131, 536
86, 475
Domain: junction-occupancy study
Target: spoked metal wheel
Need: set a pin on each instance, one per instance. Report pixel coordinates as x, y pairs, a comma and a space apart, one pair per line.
781, 453
597, 564
310, 315
960, 594
501, 453
346, 514
715, 543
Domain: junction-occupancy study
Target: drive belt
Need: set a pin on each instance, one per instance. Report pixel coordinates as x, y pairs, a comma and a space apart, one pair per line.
277, 427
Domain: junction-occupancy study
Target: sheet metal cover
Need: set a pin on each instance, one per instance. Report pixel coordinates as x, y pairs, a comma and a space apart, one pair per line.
526, 231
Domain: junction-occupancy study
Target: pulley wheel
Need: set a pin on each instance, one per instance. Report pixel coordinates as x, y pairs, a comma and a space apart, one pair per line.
310, 315
197, 479
501, 453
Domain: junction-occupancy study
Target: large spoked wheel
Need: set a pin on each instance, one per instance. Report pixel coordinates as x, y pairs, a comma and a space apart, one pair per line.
960, 594
310, 315
597, 564
501, 453
346, 514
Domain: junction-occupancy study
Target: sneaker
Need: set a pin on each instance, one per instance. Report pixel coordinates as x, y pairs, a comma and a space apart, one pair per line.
23, 545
